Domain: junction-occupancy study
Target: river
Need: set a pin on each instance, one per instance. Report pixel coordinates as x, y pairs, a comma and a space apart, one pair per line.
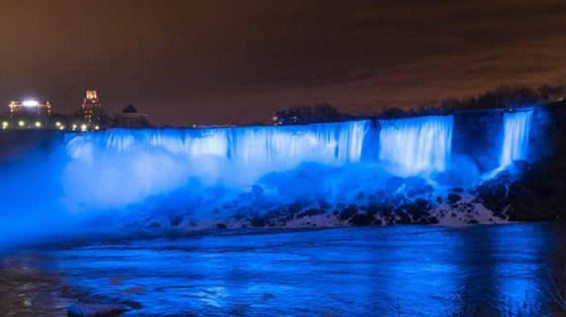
497, 270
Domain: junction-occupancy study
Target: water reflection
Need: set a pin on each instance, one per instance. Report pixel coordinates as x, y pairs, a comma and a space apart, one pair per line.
392, 271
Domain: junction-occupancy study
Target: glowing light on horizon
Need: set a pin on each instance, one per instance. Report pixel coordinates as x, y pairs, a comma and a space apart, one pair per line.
30, 103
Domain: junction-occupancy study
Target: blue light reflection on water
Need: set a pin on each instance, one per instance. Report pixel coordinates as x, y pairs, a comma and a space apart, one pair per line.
412, 270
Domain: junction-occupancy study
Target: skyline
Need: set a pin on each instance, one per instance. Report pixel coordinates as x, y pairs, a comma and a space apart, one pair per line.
239, 62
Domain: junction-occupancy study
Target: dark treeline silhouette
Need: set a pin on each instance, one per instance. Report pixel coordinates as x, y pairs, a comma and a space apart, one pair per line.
321, 112
504, 97
129, 109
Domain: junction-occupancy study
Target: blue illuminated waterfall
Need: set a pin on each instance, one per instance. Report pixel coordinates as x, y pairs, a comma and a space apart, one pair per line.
118, 167
114, 168
416, 145
216, 173
516, 130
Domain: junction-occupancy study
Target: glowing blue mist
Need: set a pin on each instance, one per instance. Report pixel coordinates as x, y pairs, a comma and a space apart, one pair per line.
416, 145
516, 131
201, 170
115, 168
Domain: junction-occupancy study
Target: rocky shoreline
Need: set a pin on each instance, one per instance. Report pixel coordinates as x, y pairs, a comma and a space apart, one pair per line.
404, 206
527, 193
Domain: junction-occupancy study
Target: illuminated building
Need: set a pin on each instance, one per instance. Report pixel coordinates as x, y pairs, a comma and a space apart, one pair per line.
29, 108
92, 108
28, 114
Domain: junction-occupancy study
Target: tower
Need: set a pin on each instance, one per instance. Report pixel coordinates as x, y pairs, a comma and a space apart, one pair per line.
92, 109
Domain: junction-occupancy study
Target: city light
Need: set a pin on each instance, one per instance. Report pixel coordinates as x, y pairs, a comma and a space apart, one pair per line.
5, 124
96, 127
61, 127
83, 127
38, 124
21, 123
30, 103
74, 127
58, 124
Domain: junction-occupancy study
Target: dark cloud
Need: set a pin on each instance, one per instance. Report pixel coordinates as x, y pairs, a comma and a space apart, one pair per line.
216, 61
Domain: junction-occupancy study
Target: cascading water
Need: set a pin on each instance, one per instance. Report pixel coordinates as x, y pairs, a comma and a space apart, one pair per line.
118, 167
516, 131
248, 170
416, 145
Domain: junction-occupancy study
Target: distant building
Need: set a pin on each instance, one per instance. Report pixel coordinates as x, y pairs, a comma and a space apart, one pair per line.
92, 108
29, 108
28, 114
130, 118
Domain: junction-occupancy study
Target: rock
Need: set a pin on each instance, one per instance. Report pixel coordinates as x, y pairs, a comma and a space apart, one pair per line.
404, 219
310, 212
362, 220
372, 209
493, 194
454, 198
323, 204
258, 222
348, 213
415, 212
94, 310
432, 220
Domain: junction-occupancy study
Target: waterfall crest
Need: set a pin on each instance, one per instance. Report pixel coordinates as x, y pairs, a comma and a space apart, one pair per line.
416, 145
516, 131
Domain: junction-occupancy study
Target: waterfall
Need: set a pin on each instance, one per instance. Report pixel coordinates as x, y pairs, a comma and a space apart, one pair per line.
516, 130
124, 166
416, 145
333, 143
336, 143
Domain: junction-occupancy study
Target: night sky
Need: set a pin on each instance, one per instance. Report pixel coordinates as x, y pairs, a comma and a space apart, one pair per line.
238, 61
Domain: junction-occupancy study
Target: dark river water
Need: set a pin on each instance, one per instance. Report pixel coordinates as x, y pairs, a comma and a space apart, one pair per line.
498, 270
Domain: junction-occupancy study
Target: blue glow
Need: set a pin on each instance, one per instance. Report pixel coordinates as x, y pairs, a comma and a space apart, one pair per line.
416, 145
517, 128
392, 271
116, 168
200, 170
